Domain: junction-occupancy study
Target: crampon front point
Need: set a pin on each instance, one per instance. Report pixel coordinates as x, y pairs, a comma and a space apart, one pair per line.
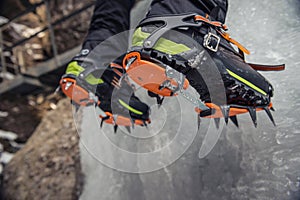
231, 111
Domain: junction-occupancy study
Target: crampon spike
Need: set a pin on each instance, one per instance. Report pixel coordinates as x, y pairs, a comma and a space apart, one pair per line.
234, 120
128, 129
199, 121
101, 123
272, 108
115, 128
252, 112
132, 123
270, 115
102, 120
159, 101
145, 124
217, 122
225, 111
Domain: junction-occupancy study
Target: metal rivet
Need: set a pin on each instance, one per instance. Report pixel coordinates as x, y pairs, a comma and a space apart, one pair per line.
148, 43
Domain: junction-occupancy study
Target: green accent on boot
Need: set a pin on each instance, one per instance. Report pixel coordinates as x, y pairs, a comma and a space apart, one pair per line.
75, 69
251, 85
93, 80
163, 45
130, 108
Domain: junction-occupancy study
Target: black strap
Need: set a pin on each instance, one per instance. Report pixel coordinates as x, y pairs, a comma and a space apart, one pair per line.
170, 22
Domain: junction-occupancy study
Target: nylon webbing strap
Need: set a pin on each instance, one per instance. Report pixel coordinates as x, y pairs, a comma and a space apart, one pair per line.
212, 23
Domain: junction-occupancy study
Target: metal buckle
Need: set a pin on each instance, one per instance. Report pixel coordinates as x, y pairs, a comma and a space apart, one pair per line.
175, 76
211, 41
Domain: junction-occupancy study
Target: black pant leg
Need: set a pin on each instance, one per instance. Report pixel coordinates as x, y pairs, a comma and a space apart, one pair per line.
110, 17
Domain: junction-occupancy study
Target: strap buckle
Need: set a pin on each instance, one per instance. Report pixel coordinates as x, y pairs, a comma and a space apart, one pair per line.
176, 76
211, 41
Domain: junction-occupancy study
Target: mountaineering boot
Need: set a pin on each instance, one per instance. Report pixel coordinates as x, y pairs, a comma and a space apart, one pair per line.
201, 50
111, 93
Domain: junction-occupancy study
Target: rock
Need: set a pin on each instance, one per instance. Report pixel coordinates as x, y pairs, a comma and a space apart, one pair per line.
48, 166
24, 118
40, 99
53, 106
3, 114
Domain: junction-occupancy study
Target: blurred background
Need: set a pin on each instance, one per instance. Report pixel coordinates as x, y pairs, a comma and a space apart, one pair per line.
37, 39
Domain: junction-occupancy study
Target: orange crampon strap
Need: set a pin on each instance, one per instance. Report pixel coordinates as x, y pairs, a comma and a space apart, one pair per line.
149, 75
78, 95
226, 36
213, 23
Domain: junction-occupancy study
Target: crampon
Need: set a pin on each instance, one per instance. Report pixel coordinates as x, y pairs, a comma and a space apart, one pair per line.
126, 116
162, 81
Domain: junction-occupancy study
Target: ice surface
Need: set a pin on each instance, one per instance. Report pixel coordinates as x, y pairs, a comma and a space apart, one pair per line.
248, 163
